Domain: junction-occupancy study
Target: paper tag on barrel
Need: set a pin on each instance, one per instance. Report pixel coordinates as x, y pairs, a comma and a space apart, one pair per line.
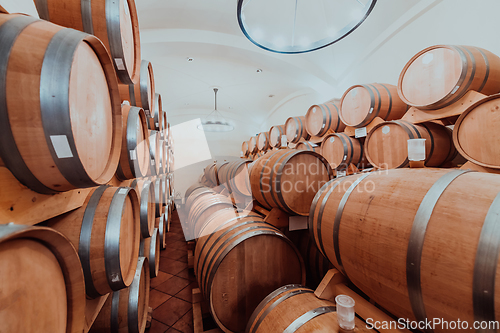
297, 223
360, 132
416, 149
241, 154
284, 141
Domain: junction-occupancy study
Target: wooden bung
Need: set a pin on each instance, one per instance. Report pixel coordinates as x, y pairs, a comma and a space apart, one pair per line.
116, 24
415, 240
134, 158
37, 264
440, 75
238, 261
361, 104
324, 117
106, 233
341, 151
142, 92
82, 148
288, 179
386, 145
126, 310
275, 134
295, 129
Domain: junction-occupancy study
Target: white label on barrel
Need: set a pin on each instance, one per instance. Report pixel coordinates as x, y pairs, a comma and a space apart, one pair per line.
323, 126
386, 129
345, 157
341, 173
426, 59
148, 113
133, 155
119, 64
126, 102
61, 146
241, 154
123, 191
371, 110
332, 139
455, 90
283, 141
360, 132
298, 223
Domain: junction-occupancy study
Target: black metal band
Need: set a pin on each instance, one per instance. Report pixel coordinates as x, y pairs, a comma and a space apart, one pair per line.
320, 216
471, 78
302, 320
390, 101
115, 310
86, 12
133, 101
277, 183
487, 65
134, 116
143, 85
261, 178
144, 206
314, 204
368, 117
432, 140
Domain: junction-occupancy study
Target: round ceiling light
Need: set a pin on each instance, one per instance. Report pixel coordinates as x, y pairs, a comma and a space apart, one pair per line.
300, 26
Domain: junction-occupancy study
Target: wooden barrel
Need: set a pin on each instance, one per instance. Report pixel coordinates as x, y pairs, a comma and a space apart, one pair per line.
475, 134
263, 141
360, 104
154, 152
438, 231
257, 155
161, 224
192, 188
127, 310
244, 148
134, 158
341, 150
142, 93
324, 117
293, 308
39, 263
275, 134
106, 232
157, 114
116, 24
150, 248
195, 194
252, 145
308, 145
440, 75
202, 208
146, 191
288, 179
159, 196
295, 129
386, 145
82, 148
236, 178
239, 262
210, 172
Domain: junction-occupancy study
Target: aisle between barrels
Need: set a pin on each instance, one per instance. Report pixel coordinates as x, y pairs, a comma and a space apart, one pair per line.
170, 295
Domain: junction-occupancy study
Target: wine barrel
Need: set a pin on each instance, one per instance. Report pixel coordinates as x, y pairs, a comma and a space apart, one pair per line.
154, 151
192, 188
195, 194
150, 248
134, 158
82, 148
161, 224
141, 93
288, 179
307, 145
157, 114
263, 141
292, 308
146, 192
244, 148
295, 129
360, 104
438, 230
275, 134
238, 264
116, 24
210, 172
341, 150
252, 145
257, 155
475, 134
106, 232
202, 208
236, 178
316, 264
39, 263
127, 310
324, 117
440, 75
159, 195
386, 145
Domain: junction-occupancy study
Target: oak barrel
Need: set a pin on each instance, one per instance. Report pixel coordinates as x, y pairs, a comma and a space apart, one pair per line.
126, 310
134, 158
421, 243
142, 93
263, 141
275, 134
308, 145
192, 188
70, 78
257, 155
106, 233
244, 148
288, 179
476, 133
341, 150
150, 248
252, 145
36, 264
202, 207
386, 145
236, 178
293, 308
146, 192
295, 129
324, 117
210, 172
440, 75
239, 262
360, 104
115, 23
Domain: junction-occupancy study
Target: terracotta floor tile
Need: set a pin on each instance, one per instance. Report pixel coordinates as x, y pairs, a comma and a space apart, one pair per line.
185, 324
178, 245
162, 277
172, 266
157, 298
175, 255
187, 274
157, 327
173, 285
171, 311
186, 294
172, 330
183, 259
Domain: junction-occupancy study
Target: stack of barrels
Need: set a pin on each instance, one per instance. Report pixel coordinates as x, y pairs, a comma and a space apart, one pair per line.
84, 68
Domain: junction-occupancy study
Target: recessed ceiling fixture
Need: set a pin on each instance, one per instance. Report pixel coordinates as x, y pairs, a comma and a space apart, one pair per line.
259, 70
189, 59
215, 122
271, 95
299, 26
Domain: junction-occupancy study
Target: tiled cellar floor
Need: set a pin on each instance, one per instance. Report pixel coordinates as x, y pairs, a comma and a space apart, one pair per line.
170, 295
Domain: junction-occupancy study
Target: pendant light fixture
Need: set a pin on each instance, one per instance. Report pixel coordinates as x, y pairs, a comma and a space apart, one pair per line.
215, 122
